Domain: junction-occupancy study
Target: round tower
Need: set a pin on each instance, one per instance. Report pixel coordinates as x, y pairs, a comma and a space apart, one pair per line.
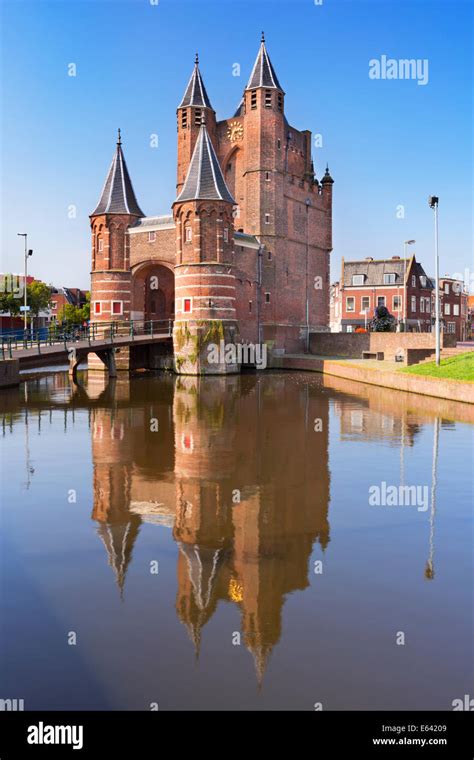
205, 328
115, 212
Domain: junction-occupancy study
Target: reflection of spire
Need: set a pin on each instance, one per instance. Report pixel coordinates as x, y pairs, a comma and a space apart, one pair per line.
260, 654
118, 539
429, 569
202, 564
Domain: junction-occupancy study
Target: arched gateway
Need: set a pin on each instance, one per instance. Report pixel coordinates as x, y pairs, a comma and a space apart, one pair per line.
251, 230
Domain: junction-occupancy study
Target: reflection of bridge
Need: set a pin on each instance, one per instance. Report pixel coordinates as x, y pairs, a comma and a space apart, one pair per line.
105, 340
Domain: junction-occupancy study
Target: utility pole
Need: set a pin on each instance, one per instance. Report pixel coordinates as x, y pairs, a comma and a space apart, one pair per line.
433, 202
25, 299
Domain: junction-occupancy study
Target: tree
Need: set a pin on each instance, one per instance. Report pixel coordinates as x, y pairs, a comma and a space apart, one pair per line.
383, 321
9, 303
75, 315
38, 297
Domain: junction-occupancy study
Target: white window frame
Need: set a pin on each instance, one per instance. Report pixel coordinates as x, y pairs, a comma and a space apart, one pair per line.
190, 299
267, 218
358, 279
366, 308
116, 313
350, 298
446, 288
422, 305
384, 298
455, 310
451, 327
152, 236
267, 297
413, 304
188, 234
389, 278
423, 281
447, 309
396, 307
226, 234
101, 310
413, 281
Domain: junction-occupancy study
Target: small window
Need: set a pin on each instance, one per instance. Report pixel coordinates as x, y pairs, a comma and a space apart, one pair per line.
117, 307
357, 279
151, 237
267, 218
365, 303
97, 307
267, 176
280, 101
269, 256
229, 167
428, 304
397, 303
198, 117
451, 327
267, 297
253, 99
188, 234
456, 310
101, 244
380, 300
413, 303
250, 306
422, 305
446, 288
350, 303
278, 144
226, 235
268, 98
389, 278
187, 305
413, 281
447, 308
184, 119
423, 281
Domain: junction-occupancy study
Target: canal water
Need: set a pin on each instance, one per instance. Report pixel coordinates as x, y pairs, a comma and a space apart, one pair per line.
232, 543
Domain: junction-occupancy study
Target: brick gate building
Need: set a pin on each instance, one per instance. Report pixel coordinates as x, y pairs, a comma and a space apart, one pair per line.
245, 254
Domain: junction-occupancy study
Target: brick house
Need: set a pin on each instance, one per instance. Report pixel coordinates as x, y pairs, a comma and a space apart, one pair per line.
62, 296
454, 311
251, 236
400, 284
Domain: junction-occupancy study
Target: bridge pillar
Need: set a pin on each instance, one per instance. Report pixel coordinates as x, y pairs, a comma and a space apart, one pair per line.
101, 362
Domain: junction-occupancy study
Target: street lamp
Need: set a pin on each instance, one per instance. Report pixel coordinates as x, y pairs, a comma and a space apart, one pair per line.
405, 253
27, 253
433, 202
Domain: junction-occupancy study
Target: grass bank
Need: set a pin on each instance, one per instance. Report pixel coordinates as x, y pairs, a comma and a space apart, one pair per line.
460, 367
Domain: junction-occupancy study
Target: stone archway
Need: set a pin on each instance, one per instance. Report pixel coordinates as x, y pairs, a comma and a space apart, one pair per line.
153, 292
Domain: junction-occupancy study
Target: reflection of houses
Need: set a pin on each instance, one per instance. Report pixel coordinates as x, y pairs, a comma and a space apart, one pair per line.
245, 509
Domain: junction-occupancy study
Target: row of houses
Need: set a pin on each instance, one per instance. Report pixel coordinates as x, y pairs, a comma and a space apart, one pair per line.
59, 297
405, 289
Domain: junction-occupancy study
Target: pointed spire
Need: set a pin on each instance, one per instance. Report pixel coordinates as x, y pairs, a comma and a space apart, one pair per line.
204, 180
327, 179
118, 196
263, 73
195, 93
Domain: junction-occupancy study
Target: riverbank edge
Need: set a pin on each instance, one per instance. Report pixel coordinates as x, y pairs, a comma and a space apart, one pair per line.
451, 390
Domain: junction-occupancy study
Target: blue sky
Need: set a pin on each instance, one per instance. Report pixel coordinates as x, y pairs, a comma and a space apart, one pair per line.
389, 143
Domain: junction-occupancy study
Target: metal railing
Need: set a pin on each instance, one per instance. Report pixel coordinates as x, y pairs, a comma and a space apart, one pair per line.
91, 333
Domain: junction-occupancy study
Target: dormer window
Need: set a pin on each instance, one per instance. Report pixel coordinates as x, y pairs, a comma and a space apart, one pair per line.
268, 98
389, 278
357, 279
423, 281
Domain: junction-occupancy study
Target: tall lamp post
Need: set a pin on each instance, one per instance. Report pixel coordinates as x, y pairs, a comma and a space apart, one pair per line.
27, 253
405, 254
433, 202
